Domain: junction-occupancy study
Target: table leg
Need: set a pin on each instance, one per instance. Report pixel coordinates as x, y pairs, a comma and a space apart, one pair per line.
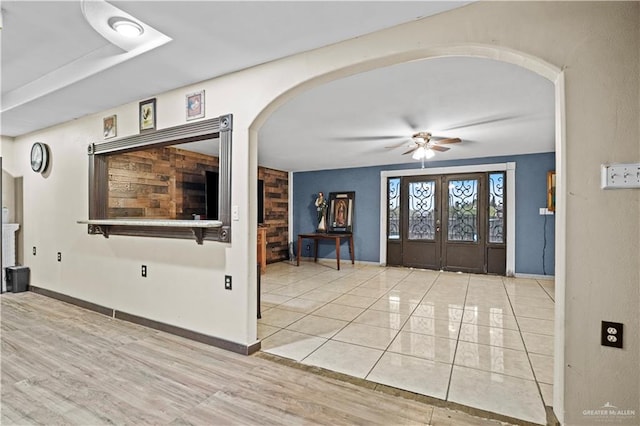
299, 250
338, 252
351, 250
315, 249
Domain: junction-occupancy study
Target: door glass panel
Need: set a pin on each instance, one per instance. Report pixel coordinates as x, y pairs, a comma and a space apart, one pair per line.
496, 208
463, 210
422, 210
393, 208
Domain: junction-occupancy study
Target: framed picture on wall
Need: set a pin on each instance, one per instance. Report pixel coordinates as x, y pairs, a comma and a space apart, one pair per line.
195, 105
341, 209
109, 126
148, 115
551, 191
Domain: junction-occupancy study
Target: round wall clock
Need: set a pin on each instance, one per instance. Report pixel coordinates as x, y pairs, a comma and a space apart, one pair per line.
39, 157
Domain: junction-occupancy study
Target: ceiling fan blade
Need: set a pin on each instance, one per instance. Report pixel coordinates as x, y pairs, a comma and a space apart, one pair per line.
411, 150
412, 124
446, 141
488, 120
398, 145
439, 148
367, 138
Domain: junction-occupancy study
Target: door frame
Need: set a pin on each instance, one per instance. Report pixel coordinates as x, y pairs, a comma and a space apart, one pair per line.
510, 171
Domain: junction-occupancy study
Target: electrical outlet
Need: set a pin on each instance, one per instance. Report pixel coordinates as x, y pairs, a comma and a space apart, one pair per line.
227, 282
59, 257
34, 250
611, 334
144, 271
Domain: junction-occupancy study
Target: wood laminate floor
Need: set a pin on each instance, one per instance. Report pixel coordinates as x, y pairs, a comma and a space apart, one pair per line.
65, 365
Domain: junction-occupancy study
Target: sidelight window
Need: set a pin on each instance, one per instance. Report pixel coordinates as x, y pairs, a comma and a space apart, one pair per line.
496, 208
393, 209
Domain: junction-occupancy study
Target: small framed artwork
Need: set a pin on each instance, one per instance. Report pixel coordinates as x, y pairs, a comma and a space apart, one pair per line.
341, 208
551, 191
148, 115
109, 126
195, 105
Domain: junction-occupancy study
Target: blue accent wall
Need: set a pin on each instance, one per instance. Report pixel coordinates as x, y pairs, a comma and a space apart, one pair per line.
531, 189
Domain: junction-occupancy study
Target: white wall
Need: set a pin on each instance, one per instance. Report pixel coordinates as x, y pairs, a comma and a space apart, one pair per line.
596, 44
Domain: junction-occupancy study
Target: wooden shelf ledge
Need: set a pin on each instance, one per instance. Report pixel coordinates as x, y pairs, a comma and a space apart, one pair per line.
150, 227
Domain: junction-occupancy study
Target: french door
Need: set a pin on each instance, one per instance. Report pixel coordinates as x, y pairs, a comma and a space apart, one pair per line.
450, 222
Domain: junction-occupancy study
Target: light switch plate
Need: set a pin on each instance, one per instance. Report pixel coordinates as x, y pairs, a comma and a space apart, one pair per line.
620, 176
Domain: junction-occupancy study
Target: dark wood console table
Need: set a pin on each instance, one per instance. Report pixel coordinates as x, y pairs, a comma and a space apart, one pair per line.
317, 237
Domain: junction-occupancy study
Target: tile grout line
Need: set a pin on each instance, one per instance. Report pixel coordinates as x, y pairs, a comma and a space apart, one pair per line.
403, 324
455, 351
546, 292
398, 331
306, 314
346, 325
526, 350
324, 303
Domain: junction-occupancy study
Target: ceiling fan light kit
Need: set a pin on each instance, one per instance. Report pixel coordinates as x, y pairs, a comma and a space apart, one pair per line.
423, 152
425, 147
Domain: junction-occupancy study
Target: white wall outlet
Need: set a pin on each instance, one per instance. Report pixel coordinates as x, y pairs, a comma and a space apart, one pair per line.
235, 213
620, 176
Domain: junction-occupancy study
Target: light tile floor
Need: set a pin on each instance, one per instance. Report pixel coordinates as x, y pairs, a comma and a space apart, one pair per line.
477, 340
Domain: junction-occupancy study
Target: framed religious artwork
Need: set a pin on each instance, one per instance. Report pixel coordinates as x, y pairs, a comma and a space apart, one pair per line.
194, 103
341, 209
551, 191
148, 115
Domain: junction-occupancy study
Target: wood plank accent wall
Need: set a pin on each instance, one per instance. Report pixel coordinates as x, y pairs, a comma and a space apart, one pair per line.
169, 183
276, 212
158, 183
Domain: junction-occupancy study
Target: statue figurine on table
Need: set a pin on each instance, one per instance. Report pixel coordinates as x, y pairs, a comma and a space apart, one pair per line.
321, 208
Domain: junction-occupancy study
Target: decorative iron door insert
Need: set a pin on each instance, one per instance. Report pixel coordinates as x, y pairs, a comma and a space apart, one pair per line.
463, 248
451, 222
420, 222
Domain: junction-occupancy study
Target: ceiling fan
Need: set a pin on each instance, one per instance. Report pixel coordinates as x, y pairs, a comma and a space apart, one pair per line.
426, 144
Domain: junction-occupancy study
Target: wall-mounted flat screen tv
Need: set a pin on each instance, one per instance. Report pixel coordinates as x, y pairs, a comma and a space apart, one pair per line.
212, 197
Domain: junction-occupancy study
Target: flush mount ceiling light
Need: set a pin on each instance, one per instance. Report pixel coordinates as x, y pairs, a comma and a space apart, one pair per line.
125, 27
102, 17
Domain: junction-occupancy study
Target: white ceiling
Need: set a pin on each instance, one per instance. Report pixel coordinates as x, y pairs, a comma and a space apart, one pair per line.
494, 107
42, 40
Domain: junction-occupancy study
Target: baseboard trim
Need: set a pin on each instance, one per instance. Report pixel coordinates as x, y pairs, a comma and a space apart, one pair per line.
332, 260
189, 334
72, 300
536, 276
146, 322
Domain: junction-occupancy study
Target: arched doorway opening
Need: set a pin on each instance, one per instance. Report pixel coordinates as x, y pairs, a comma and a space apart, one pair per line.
541, 68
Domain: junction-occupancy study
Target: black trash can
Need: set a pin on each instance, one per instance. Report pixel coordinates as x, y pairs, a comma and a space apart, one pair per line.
17, 278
